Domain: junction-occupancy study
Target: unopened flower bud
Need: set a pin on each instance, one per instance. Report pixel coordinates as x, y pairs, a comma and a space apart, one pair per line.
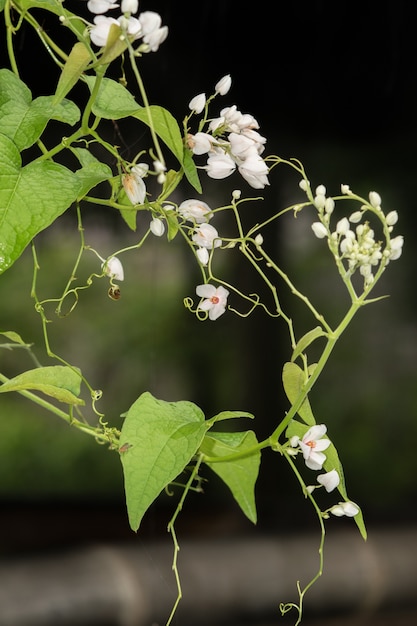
375, 199
319, 230
198, 103
224, 84
391, 218
113, 268
157, 227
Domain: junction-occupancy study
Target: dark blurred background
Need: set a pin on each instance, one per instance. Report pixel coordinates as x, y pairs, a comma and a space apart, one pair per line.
332, 84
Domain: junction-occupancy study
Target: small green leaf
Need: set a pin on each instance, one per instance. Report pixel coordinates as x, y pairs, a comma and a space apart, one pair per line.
31, 198
53, 6
60, 382
75, 65
306, 340
239, 475
228, 415
158, 440
92, 171
113, 100
293, 379
13, 336
166, 127
190, 170
115, 45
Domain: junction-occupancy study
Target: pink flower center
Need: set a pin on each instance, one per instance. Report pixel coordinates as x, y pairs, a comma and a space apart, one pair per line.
311, 444
215, 299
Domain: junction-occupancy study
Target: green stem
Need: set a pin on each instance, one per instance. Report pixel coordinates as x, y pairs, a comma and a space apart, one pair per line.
71, 421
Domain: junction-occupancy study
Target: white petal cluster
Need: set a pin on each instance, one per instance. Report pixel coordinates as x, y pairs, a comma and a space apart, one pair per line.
231, 142
357, 245
147, 26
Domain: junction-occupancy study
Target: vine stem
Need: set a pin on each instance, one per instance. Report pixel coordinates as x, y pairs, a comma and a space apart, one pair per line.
171, 530
71, 421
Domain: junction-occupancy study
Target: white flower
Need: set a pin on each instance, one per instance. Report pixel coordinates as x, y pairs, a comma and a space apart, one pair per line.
345, 508
312, 446
195, 211
375, 199
100, 32
396, 246
254, 170
303, 184
130, 6
131, 26
223, 86
220, 165
345, 189
100, 6
134, 187
319, 230
155, 38
200, 143
113, 268
206, 236
203, 256
240, 145
198, 103
153, 33
157, 227
150, 21
330, 480
215, 300
140, 170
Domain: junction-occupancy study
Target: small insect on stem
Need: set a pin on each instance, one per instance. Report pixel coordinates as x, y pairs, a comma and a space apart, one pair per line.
124, 448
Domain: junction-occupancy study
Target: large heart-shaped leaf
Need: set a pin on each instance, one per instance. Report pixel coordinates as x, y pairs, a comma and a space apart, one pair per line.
158, 440
31, 198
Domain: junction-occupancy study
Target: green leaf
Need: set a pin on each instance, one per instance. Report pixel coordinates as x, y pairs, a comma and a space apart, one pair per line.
92, 171
13, 336
60, 382
306, 340
159, 438
293, 379
75, 65
115, 45
113, 100
228, 415
165, 126
24, 120
190, 170
239, 475
31, 198
54, 7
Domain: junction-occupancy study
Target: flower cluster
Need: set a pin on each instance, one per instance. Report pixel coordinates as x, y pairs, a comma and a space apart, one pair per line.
147, 26
357, 246
230, 141
205, 237
312, 446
